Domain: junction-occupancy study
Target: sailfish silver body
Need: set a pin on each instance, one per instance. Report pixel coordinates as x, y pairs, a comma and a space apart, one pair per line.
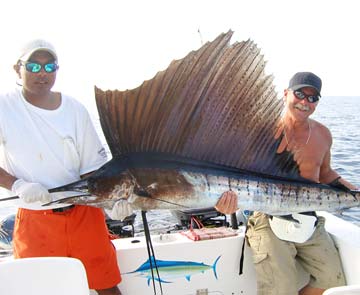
168, 187
269, 196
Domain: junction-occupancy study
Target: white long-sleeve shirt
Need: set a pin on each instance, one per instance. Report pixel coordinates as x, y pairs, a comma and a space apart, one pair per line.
51, 147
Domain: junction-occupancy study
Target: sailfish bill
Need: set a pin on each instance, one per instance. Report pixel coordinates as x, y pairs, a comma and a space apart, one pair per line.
207, 124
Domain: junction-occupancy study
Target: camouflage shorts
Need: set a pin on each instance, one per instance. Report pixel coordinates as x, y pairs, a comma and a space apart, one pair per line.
275, 259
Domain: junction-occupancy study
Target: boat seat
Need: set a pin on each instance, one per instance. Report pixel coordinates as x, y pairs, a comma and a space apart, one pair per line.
43, 276
344, 290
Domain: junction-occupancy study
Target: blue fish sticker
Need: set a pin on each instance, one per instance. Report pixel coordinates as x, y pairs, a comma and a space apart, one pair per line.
171, 269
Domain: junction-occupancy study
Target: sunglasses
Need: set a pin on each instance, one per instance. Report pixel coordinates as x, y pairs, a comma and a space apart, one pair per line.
34, 67
310, 98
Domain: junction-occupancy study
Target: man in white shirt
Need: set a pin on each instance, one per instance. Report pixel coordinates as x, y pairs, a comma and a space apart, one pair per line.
46, 140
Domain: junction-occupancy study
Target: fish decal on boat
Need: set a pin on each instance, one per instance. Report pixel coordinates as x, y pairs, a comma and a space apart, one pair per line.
170, 270
207, 124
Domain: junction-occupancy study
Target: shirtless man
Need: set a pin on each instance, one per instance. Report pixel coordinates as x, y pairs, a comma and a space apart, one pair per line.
274, 258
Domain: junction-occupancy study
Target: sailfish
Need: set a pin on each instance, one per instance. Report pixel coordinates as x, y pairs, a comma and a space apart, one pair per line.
203, 126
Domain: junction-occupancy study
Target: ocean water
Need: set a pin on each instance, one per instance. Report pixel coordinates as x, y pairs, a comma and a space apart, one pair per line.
339, 114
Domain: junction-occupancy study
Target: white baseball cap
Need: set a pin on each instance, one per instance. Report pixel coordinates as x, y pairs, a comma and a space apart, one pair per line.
35, 45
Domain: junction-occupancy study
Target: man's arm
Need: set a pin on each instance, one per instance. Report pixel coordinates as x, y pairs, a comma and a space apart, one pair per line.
328, 175
6, 179
27, 191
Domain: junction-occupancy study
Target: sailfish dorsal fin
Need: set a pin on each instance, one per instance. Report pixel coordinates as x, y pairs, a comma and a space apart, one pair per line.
215, 105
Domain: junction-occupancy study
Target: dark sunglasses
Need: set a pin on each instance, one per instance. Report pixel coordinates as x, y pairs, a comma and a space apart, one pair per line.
34, 67
310, 98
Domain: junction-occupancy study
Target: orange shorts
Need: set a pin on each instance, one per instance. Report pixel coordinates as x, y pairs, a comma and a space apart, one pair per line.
79, 232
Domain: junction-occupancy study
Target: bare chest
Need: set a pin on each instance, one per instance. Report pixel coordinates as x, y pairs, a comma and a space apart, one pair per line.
310, 157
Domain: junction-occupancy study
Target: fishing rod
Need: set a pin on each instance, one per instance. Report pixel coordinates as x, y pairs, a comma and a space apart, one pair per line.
52, 190
17, 197
9, 198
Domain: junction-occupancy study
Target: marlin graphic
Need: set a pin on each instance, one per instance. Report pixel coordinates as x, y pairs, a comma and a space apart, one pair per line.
169, 269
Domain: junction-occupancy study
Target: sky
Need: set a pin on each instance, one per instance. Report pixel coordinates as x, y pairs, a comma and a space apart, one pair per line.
119, 44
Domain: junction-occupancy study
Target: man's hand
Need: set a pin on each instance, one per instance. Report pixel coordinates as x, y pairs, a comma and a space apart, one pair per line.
227, 204
120, 211
30, 192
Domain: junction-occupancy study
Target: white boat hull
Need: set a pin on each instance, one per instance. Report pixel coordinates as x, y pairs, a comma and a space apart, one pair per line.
209, 266
132, 253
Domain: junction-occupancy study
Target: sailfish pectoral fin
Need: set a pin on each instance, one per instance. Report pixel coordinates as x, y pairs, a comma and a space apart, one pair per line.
141, 192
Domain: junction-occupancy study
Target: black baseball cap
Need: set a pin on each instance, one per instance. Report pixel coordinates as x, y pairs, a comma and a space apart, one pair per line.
305, 79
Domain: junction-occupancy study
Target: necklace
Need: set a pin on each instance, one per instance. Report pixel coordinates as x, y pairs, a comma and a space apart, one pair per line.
308, 138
